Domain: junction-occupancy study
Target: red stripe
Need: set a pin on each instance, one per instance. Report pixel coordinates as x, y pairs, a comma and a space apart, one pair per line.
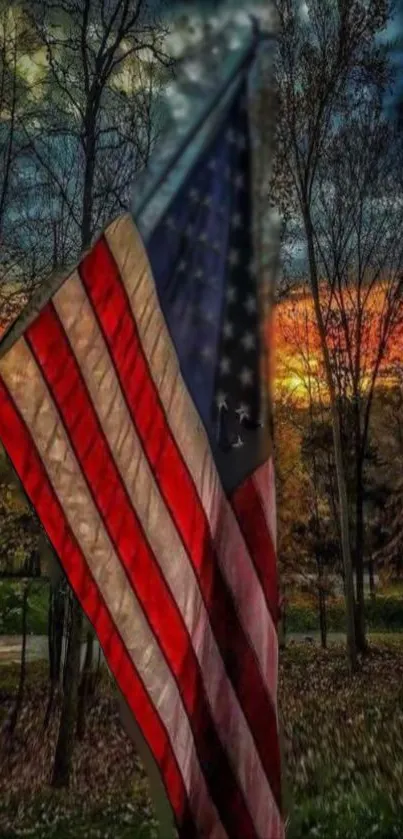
247, 505
49, 344
108, 296
29, 467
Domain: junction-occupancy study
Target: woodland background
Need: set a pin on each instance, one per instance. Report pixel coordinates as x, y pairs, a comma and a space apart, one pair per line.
86, 88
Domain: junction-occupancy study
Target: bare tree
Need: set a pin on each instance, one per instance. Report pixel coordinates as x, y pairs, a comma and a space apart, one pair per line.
65, 740
15, 41
105, 61
306, 405
327, 53
10, 96
11, 722
357, 222
91, 124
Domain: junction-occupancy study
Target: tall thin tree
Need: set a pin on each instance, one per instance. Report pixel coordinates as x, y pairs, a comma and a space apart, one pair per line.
327, 52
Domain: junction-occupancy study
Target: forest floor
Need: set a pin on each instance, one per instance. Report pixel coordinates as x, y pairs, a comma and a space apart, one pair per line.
343, 744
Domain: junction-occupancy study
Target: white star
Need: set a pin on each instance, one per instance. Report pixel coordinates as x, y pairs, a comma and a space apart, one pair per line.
203, 238
209, 316
243, 412
233, 258
248, 341
236, 221
228, 329
199, 274
239, 182
194, 195
170, 223
230, 294
246, 377
250, 305
239, 443
216, 247
221, 400
207, 353
252, 268
182, 265
207, 201
212, 164
225, 366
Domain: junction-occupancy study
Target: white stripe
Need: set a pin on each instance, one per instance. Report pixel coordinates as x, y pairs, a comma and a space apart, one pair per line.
93, 357
32, 398
264, 480
191, 438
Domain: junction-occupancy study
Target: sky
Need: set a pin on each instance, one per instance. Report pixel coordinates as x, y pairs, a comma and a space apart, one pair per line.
194, 87
221, 7
208, 7
220, 10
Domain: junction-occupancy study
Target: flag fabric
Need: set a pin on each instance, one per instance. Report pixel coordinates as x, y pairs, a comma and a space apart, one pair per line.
133, 411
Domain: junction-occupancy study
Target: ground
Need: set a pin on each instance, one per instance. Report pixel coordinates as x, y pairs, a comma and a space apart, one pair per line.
344, 741
343, 744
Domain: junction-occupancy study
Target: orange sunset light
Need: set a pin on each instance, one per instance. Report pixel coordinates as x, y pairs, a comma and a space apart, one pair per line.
298, 365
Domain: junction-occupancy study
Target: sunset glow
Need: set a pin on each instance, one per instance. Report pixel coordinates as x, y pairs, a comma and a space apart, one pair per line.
298, 357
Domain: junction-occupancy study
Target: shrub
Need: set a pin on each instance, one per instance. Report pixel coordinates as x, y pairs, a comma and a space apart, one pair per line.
382, 614
10, 608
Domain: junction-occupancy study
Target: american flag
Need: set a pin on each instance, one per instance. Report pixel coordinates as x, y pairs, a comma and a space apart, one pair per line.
132, 407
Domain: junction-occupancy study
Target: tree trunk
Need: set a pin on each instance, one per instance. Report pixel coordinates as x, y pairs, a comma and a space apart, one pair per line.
338, 453
97, 675
282, 629
89, 172
85, 686
359, 570
65, 742
55, 643
322, 606
7, 154
52, 657
371, 578
59, 615
359, 560
13, 719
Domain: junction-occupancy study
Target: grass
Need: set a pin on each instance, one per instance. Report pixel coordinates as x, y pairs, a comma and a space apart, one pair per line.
354, 815
49, 817
344, 741
343, 744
